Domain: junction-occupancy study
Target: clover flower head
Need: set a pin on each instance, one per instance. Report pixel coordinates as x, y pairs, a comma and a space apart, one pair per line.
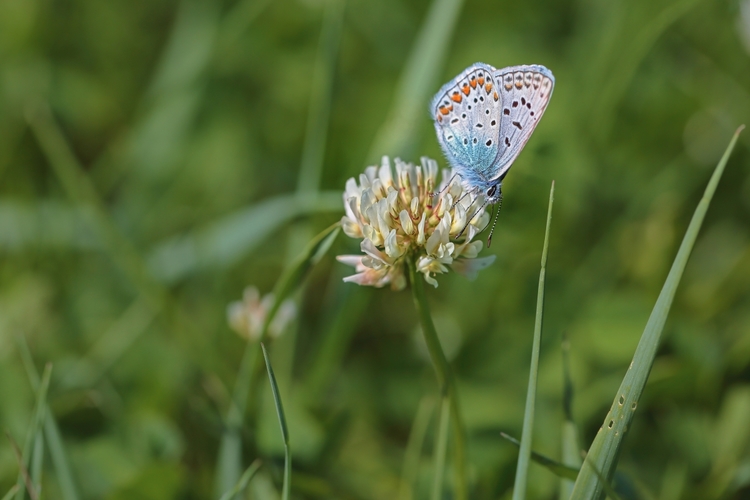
411, 215
246, 316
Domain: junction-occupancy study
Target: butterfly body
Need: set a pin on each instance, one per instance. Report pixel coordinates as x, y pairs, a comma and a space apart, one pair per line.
484, 117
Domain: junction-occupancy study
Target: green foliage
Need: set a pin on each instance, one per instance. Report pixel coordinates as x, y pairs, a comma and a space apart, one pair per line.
158, 157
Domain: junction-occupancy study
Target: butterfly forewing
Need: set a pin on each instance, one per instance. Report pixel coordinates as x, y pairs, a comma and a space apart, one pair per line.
524, 93
467, 120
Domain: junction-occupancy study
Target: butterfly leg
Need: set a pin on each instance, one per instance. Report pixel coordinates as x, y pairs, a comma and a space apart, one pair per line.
468, 221
447, 186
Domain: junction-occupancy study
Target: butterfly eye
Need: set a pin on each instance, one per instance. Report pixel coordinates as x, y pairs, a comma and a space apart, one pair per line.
491, 191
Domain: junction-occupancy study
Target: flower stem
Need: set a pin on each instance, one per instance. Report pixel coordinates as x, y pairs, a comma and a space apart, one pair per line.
444, 377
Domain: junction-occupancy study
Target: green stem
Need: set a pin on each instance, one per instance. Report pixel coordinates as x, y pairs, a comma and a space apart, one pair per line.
444, 376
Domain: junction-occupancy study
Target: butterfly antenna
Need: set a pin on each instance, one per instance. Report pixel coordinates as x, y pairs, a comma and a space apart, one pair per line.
494, 223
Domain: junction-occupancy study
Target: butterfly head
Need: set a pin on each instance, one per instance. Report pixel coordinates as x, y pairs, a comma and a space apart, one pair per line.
493, 194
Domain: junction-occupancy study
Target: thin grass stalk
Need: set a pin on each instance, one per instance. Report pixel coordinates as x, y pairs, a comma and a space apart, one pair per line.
229, 461
414, 446
441, 449
417, 81
282, 424
64, 474
605, 450
31, 446
444, 377
241, 485
571, 455
524, 451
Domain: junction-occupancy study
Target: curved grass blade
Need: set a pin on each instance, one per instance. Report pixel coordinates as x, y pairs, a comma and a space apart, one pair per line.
414, 447
241, 485
228, 239
571, 455
32, 446
560, 470
229, 463
282, 424
24, 479
12, 491
320, 99
605, 449
397, 135
524, 451
64, 474
441, 449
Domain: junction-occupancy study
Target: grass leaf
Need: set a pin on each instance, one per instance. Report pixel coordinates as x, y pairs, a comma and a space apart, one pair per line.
282, 424
605, 450
229, 462
396, 136
560, 470
524, 451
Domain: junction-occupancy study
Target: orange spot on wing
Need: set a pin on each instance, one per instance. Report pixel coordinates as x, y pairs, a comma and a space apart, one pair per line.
488, 87
439, 118
465, 89
444, 110
495, 96
481, 81
456, 97
473, 83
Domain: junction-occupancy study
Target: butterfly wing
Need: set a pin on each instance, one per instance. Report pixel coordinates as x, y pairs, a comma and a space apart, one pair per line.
524, 93
467, 122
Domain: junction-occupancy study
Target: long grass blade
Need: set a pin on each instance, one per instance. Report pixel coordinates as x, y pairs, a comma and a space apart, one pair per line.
571, 455
524, 451
32, 445
229, 462
414, 447
441, 449
64, 474
241, 485
12, 491
559, 469
320, 98
418, 81
24, 478
605, 449
282, 424
223, 242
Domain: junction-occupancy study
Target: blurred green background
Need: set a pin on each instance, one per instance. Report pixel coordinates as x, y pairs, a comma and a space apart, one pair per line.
158, 156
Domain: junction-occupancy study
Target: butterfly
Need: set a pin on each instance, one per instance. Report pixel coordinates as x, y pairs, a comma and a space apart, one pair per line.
483, 119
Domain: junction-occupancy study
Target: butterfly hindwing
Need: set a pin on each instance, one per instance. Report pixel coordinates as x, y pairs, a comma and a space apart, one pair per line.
525, 92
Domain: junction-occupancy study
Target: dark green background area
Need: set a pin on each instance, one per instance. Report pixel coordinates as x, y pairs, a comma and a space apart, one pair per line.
196, 122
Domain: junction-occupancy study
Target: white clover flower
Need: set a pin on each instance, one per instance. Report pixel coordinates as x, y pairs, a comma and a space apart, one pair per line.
246, 317
411, 216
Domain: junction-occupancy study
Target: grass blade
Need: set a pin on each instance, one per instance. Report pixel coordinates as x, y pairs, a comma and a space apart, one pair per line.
31, 446
560, 470
320, 99
396, 137
524, 451
229, 462
605, 449
226, 240
57, 452
243, 482
571, 455
414, 447
12, 491
282, 424
441, 449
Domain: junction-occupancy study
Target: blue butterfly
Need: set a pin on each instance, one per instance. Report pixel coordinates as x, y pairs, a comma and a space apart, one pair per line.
483, 119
